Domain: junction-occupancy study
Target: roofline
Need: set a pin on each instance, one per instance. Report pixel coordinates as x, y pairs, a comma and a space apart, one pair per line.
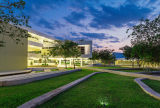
37, 32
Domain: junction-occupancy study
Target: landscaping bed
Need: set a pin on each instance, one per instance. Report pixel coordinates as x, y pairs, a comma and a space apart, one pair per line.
14, 96
115, 91
153, 84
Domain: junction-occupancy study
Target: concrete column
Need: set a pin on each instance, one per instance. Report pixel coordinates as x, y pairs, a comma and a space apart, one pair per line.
81, 62
59, 62
70, 62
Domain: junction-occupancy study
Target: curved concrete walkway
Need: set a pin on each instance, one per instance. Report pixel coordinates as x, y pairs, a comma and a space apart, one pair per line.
147, 89
14, 72
26, 78
43, 98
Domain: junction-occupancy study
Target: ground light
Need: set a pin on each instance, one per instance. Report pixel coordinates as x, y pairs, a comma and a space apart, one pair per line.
103, 101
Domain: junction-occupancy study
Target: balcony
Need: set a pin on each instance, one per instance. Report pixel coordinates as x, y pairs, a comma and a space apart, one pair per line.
34, 55
35, 44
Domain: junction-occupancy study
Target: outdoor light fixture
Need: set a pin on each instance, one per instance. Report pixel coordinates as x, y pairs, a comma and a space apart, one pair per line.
103, 101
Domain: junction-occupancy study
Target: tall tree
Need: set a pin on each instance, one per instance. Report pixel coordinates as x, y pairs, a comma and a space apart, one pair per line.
62, 49
146, 38
127, 52
12, 12
95, 55
74, 51
106, 55
45, 57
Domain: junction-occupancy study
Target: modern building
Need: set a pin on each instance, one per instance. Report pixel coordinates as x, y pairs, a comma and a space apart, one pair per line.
30, 54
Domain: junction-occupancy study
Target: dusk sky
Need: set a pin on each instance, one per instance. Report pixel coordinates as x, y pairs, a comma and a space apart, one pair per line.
103, 21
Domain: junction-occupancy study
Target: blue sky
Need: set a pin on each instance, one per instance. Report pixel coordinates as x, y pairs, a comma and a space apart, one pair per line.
103, 21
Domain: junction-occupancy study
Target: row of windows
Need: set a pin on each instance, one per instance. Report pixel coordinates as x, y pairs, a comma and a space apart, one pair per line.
47, 47
43, 61
35, 52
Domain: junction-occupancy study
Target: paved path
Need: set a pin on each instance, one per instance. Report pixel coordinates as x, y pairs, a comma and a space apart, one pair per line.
26, 78
14, 72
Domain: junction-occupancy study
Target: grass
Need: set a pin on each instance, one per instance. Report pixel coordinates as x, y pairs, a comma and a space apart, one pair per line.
70, 68
54, 70
109, 67
115, 91
155, 85
14, 96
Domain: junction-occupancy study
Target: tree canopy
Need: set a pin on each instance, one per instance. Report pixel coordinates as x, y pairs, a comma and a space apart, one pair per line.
12, 12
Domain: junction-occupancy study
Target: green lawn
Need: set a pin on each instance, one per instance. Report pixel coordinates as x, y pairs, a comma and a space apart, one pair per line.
115, 91
155, 85
38, 71
14, 96
54, 70
109, 67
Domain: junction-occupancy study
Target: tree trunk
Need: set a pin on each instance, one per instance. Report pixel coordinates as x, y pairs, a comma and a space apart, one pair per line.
138, 63
133, 63
65, 63
73, 63
144, 64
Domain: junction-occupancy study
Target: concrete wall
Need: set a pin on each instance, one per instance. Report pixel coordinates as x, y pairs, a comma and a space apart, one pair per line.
88, 48
13, 56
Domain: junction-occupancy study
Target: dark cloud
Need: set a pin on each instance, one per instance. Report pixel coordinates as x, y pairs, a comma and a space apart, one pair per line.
80, 5
151, 2
35, 7
74, 18
46, 24
132, 1
97, 46
114, 41
74, 34
60, 38
49, 32
98, 36
117, 17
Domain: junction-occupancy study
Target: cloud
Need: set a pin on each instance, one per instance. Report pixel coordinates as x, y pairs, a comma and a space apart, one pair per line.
151, 2
74, 34
114, 41
118, 17
46, 24
98, 36
49, 32
80, 5
35, 7
97, 46
74, 18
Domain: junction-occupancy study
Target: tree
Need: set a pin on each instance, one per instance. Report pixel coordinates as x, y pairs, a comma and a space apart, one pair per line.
146, 39
74, 51
62, 48
45, 57
95, 55
106, 55
147, 32
11, 12
127, 52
